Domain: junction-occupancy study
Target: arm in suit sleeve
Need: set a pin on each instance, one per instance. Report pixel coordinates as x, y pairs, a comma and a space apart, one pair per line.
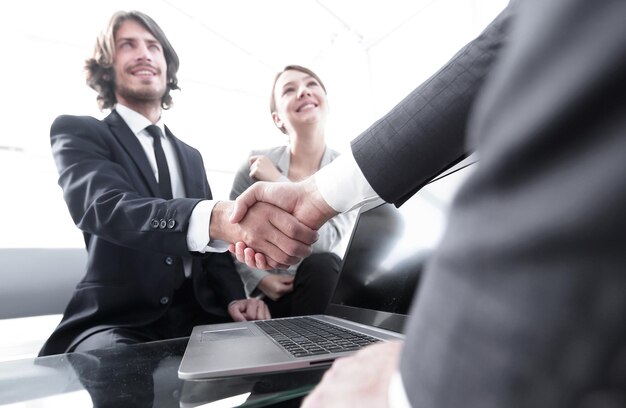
105, 193
425, 133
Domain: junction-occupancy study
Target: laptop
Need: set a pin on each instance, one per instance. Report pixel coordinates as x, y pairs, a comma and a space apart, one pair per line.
380, 272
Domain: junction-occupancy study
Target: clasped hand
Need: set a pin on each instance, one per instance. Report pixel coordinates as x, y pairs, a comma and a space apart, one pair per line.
295, 209
278, 235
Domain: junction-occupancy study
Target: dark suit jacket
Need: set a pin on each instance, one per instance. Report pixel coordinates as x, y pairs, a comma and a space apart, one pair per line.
134, 241
524, 303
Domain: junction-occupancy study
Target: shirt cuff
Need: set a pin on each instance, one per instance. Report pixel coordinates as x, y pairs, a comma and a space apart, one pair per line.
396, 397
343, 185
198, 239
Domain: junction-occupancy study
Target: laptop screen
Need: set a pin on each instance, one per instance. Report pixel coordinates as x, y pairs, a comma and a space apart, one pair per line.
387, 252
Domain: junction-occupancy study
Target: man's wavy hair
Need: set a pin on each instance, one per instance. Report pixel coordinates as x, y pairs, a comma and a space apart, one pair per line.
99, 68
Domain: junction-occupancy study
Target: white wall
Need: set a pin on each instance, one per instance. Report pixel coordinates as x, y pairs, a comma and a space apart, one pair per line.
369, 53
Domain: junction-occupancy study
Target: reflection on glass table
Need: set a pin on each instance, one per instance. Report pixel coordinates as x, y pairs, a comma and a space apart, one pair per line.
143, 375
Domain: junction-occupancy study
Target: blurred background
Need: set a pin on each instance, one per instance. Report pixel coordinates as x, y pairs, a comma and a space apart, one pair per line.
370, 54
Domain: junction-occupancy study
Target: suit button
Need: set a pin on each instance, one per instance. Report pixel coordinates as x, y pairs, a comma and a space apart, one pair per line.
169, 261
164, 300
171, 223
162, 224
154, 223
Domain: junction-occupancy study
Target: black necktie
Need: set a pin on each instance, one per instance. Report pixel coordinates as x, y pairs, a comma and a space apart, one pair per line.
165, 184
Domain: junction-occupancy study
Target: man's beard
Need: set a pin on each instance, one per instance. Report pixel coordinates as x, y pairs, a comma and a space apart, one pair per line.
141, 95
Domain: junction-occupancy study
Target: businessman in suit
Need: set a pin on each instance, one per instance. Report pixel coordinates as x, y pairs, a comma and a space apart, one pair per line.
523, 304
140, 195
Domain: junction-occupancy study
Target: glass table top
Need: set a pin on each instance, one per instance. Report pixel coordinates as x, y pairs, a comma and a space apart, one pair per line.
143, 375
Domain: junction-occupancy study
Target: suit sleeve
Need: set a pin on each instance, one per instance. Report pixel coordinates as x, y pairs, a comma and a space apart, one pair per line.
102, 192
425, 133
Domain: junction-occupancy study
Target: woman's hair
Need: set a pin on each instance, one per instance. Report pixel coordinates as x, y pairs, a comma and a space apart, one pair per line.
99, 68
291, 68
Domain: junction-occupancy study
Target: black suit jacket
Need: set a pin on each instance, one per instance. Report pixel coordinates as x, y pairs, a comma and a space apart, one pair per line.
524, 303
134, 240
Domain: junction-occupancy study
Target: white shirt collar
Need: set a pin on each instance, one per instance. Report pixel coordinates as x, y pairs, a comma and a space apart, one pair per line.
135, 120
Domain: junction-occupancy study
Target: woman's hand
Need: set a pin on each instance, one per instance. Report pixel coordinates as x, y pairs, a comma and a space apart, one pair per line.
262, 168
276, 286
248, 309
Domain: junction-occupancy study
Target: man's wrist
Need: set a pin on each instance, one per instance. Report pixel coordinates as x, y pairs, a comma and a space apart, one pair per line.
220, 227
343, 185
317, 200
198, 231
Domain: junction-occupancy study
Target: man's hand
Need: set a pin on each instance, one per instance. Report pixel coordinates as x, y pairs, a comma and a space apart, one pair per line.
267, 229
275, 286
262, 168
361, 380
248, 309
302, 199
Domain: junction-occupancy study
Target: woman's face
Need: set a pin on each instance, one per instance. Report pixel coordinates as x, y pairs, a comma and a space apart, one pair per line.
300, 101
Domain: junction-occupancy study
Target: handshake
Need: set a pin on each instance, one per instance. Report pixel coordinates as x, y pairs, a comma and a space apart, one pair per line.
272, 225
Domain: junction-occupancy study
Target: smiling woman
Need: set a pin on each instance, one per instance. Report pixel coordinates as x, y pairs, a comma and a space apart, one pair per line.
299, 109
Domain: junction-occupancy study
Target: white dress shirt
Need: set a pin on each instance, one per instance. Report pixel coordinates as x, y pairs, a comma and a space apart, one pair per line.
344, 187
198, 239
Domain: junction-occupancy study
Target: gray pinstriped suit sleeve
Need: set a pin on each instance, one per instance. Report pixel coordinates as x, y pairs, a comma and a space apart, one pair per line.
523, 303
425, 133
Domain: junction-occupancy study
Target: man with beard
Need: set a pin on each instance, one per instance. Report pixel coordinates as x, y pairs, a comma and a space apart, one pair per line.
155, 238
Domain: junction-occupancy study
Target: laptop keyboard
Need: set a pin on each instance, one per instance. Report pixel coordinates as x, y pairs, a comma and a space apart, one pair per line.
305, 336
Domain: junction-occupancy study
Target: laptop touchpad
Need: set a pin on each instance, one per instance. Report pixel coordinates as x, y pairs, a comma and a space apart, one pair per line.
226, 334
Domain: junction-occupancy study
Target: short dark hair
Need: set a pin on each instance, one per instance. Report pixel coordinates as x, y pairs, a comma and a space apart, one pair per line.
99, 68
291, 68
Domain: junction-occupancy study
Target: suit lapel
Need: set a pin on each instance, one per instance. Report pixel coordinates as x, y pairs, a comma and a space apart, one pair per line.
129, 141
